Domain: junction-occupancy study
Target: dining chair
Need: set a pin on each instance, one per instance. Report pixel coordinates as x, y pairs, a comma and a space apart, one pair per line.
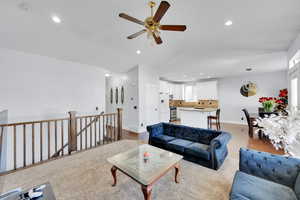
250, 121
210, 119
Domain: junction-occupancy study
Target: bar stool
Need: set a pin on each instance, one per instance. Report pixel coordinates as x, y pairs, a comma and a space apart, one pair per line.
216, 118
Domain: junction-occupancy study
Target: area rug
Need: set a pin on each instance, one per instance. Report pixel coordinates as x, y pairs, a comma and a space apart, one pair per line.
86, 175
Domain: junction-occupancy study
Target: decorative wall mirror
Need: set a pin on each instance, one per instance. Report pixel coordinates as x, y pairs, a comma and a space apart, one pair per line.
249, 89
117, 96
111, 95
122, 95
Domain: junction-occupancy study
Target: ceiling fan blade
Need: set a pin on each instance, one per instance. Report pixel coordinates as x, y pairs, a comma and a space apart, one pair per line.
157, 38
172, 27
162, 9
137, 34
132, 19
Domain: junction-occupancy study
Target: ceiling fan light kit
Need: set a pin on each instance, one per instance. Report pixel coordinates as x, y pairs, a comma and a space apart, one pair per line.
152, 24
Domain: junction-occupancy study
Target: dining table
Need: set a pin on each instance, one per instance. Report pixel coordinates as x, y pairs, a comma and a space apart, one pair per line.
261, 114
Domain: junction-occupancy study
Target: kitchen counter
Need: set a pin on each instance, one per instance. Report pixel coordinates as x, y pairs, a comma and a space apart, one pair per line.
195, 117
198, 109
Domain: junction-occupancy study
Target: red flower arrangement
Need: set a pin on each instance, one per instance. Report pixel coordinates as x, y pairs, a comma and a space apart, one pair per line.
264, 99
281, 101
283, 93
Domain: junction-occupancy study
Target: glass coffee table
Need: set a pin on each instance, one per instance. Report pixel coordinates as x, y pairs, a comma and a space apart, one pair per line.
145, 164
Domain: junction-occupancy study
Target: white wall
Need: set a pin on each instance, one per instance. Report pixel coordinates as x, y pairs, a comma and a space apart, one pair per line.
207, 90
34, 87
38, 87
149, 96
232, 102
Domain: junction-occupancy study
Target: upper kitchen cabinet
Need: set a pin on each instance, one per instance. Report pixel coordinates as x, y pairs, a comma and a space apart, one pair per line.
177, 91
207, 90
164, 87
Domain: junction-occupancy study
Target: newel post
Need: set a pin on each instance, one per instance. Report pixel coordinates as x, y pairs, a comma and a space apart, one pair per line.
72, 136
120, 110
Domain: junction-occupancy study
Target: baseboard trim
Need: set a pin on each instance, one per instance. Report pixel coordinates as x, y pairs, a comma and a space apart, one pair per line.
233, 122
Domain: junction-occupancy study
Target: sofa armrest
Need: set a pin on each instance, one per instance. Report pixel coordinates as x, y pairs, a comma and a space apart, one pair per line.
279, 169
221, 140
218, 149
155, 130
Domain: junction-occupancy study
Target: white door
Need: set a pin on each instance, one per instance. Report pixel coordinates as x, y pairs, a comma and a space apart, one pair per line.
164, 108
151, 107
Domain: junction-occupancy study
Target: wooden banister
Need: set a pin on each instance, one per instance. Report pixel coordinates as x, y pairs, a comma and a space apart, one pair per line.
72, 136
56, 154
36, 142
120, 110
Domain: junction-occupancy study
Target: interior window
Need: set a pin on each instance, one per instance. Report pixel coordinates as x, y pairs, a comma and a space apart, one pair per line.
295, 60
189, 93
294, 93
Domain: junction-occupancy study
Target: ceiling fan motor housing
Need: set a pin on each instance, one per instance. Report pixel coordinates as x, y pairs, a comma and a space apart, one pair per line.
151, 24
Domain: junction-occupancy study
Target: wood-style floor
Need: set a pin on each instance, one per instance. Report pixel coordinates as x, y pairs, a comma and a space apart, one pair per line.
252, 143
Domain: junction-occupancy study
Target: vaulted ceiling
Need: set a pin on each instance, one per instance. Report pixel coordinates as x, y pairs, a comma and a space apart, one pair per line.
92, 33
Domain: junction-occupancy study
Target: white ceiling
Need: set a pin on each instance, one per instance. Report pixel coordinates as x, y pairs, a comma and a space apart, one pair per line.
92, 33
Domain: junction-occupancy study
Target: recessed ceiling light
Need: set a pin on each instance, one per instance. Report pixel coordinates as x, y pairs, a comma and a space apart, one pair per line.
107, 75
228, 23
201, 74
208, 76
138, 52
56, 19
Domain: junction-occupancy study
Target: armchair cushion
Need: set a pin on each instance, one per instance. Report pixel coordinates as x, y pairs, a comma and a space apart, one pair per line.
198, 150
178, 145
279, 169
248, 187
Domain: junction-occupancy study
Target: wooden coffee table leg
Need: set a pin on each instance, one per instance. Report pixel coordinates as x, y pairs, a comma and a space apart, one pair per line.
114, 174
147, 191
177, 168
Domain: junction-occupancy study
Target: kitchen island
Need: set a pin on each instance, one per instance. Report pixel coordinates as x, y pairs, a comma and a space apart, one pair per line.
195, 117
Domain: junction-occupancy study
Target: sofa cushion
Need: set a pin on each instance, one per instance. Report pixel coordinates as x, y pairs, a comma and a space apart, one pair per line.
198, 150
248, 187
162, 139
178, 145
191, 134
178, 131
207, 135
168, 130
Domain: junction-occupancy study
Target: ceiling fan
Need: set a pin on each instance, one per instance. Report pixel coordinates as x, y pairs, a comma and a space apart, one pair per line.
152, 24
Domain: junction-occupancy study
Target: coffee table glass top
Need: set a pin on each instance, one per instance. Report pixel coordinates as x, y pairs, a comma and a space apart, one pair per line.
145, 171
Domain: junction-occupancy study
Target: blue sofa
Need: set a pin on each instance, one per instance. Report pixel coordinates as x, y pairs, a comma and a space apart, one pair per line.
264, 176
203, 146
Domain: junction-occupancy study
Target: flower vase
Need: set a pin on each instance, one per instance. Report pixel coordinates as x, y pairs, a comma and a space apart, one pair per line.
269, 109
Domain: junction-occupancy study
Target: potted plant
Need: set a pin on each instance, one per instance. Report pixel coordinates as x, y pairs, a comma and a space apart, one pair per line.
268, 103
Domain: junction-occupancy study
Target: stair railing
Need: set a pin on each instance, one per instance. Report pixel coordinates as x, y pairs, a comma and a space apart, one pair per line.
36, 142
